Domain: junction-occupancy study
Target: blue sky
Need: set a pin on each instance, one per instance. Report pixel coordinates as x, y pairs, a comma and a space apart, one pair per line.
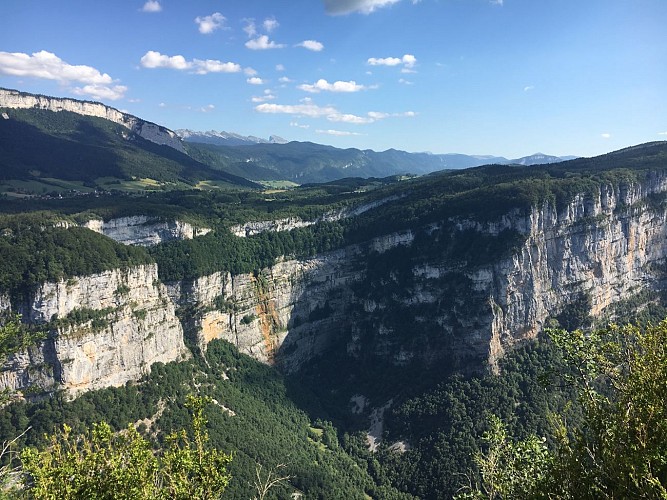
502, 77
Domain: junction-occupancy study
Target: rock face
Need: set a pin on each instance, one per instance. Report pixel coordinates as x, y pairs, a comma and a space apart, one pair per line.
385, 298
113, 326
607, 247
145, 231
149, 131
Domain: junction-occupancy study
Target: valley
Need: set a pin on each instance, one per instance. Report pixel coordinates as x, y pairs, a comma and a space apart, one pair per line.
314, 313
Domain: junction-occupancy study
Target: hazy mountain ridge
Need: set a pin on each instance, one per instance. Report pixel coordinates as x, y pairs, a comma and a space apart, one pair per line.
308, 162
233, 154
223, 138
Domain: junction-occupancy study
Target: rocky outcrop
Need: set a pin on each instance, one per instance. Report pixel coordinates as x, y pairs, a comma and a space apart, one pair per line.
14, 99
145, 231
105, 330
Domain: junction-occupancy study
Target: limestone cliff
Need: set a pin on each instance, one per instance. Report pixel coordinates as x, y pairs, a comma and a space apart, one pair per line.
145, 231
14, 99
111, 327
608, 246
386, 298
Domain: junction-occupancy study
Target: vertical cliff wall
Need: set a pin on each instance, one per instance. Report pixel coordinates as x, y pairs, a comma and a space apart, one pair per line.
145, 231
391, 299
111, 327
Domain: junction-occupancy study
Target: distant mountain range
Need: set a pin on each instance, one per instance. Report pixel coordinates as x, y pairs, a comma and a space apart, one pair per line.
226, 138
65, 138
307, 162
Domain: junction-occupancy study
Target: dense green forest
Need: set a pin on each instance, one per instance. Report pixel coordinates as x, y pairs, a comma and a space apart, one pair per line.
252, 416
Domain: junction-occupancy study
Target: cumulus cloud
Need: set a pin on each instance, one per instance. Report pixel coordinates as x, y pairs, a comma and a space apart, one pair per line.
405, 82
153, 59
208, 24
280, 67
255, 80
408, 61
270, 24
340, 7
338, 86
284, 79
304, 109
311, 110
298, 125
101, 92
48, 66
262, 43
268, 96
339, 133
606, 135
250, 71
152, 6
528, 88
350, 118
313, 45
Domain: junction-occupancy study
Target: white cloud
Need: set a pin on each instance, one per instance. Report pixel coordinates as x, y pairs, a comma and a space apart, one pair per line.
308, 108
270, 24
208, 24
305, 109
162, 105
153, 59
339, 7
262, 43
384, 61
350, 118
207, 109
284, 79
339, 133
250, 71
605, 135
250, 28
102, 92
214, 66
268, 96
297, 124
528, 88
408, 61
48, 66
496, 2
280, 67
255, 80
405, 82
662, 133
313, 45
152, 6
338, 86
